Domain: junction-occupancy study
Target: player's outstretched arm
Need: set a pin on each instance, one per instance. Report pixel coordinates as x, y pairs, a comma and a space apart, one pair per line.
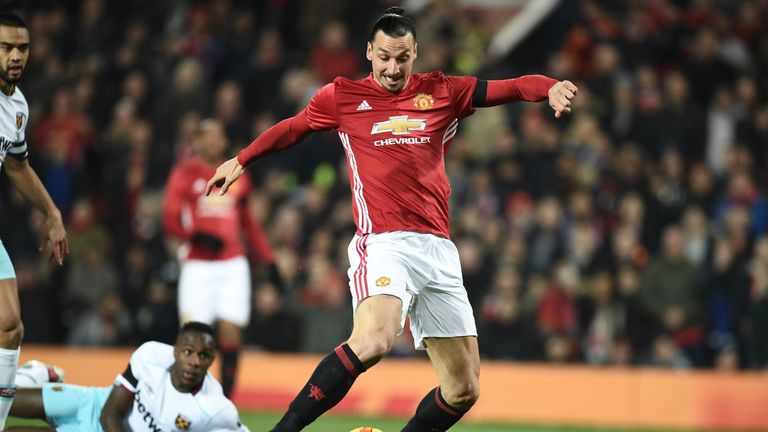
115, 409
279, 137
29, 185
530, 88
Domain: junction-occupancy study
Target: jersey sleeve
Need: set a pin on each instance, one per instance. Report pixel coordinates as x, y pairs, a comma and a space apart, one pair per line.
19, 150
461, 89
148, 353
174, 200
227, 420
321, 111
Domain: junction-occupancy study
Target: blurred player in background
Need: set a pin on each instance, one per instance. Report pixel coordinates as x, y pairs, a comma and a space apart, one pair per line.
14, 114
215, 280
395, 127
164, 388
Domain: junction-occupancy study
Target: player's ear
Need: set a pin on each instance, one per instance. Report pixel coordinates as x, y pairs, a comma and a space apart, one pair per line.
415, 50
369, 51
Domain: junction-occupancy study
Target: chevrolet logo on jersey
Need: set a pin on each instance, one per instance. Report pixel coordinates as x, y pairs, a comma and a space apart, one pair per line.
399, 125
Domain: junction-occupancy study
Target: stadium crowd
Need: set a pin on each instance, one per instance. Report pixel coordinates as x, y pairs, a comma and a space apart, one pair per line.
634, 231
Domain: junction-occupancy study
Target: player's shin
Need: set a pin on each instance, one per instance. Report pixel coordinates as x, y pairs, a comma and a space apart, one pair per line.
9, 361
327, 386
433, 414
229, 357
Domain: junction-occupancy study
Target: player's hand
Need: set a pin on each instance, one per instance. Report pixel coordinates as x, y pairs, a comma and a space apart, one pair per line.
560, 96
226, 174
55, 238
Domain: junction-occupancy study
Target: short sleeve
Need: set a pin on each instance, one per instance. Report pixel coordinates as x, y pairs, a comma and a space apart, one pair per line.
461, 89
227, 420
321, 111
148, 353
19, 150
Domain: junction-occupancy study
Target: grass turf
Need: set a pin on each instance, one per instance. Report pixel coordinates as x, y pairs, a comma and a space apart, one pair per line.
262, 422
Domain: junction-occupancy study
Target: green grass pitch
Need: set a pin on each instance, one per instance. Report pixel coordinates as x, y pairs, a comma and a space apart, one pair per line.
262, 422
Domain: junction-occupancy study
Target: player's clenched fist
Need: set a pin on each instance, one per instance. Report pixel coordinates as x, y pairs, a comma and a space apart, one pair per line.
560, 96
226, 174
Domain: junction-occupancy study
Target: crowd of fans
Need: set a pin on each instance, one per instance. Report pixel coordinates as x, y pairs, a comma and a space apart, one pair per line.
634, 231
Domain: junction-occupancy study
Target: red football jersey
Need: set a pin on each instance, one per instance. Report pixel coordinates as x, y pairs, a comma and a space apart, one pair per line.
395, 145
227, 217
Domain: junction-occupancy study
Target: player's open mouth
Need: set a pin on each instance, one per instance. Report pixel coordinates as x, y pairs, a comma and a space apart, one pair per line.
189, 376
391, 80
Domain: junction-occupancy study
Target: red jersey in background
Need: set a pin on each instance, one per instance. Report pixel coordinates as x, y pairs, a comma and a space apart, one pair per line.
188, 212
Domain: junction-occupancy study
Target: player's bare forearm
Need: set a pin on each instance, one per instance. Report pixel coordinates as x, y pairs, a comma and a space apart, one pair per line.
29, 185
26, 181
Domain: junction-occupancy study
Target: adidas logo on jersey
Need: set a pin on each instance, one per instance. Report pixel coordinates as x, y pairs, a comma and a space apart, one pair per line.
363, 106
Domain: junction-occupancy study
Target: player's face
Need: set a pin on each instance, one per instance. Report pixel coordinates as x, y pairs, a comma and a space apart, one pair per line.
14, 53
392, 60
194, 353
212, 141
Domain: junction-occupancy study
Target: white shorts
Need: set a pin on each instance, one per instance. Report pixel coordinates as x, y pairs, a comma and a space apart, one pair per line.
422, 270
215, 290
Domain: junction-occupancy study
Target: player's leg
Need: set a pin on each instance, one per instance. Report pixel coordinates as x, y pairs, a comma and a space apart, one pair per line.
233, 311
457, 363
377, 283
378, 319
28, 404
11, 333
196, 293
442, 322
230, 346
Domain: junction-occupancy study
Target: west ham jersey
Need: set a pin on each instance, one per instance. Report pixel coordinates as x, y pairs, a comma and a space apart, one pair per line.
14, 113
159, 407
395, 145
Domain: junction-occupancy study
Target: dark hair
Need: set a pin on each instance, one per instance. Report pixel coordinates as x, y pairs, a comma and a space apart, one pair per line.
10, 19
196, 326
394, 24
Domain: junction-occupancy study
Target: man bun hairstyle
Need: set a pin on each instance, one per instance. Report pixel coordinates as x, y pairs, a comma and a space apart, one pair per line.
10, 19
394, 24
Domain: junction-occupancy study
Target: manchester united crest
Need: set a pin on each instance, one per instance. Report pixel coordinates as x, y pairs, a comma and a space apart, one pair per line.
182, 423
423, 101
383, 281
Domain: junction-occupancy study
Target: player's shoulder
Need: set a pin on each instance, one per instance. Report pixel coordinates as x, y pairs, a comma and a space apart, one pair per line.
17, 98
153, 354
212, 399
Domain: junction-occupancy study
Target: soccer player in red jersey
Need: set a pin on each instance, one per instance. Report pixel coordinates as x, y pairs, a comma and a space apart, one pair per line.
395, 127
215, 280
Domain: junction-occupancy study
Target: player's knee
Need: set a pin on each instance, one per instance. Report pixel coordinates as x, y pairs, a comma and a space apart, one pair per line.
11, 331
462, 397
373, 347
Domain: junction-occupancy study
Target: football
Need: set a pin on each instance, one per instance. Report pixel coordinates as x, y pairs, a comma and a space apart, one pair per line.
366, 429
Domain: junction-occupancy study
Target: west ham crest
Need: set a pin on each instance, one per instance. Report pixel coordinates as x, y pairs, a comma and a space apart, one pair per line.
20, 117
182, 423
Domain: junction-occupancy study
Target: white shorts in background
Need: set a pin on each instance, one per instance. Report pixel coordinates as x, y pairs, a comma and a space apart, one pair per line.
215, 290
423, 270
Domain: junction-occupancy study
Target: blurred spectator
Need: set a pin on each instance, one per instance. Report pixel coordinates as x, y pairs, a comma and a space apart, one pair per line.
669, 291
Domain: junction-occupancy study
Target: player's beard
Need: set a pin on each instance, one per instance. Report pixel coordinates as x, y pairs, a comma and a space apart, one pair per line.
5, 75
